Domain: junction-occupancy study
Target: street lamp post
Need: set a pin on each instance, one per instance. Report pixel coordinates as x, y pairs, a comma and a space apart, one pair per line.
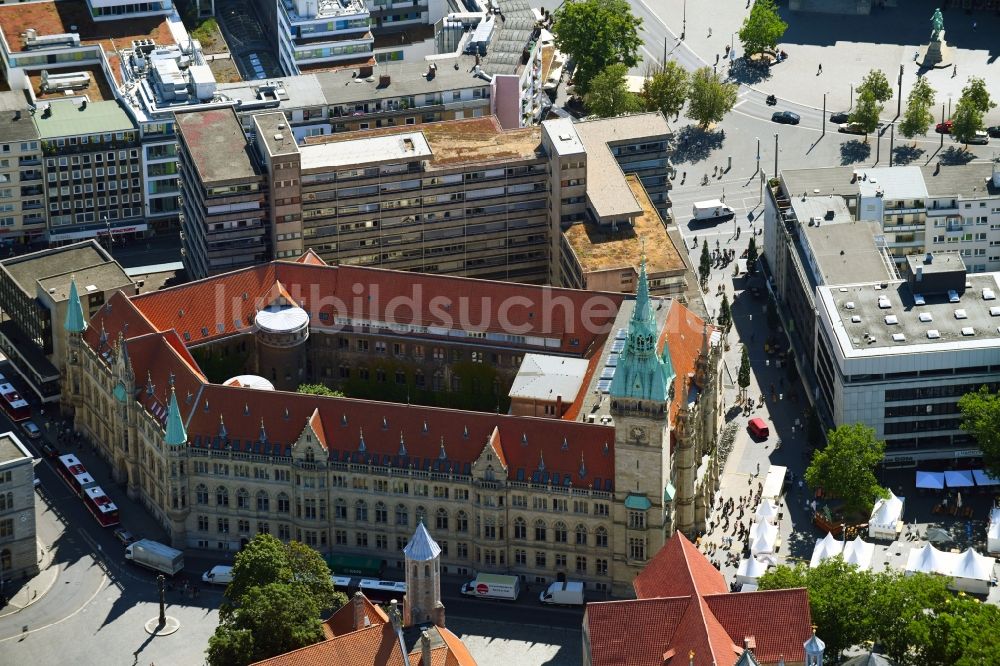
942, 121
775, 154
899, 100
684, 20
107, 226
852, 98
758, 153
892, 138
824, 114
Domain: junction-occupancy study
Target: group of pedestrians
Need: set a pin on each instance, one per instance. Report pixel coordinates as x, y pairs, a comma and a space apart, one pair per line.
732, 523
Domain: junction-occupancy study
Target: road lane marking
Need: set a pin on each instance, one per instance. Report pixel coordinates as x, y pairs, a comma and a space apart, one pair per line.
22, 634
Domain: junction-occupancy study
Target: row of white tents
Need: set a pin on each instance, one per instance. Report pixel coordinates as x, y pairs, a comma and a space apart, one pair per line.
857, 552
969, 571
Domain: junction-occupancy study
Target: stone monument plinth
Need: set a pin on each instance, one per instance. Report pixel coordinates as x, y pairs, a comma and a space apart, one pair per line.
936, 54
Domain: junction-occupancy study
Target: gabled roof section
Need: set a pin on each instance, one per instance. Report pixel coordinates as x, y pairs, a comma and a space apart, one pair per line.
316, 424
684, 336
779, 621
365, 647
678, 569
310, 257
118, 315
656, 619
342, 620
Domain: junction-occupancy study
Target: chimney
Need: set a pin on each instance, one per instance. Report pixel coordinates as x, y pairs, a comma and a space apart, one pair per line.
559, 410
425, 649
929, 258
438, 615
920, 273
359, 611
397, 621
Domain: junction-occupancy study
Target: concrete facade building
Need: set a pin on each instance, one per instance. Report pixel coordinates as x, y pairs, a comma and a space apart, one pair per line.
35, 291
224, 224
504, 493
18, 546
22, 187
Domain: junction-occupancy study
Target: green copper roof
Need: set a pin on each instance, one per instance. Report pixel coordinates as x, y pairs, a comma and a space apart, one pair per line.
121, 395
75, 323
669, 492
637, 502
642, 373
176, 435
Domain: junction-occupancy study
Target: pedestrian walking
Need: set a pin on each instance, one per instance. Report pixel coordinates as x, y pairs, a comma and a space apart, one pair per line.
820, 70
975, 24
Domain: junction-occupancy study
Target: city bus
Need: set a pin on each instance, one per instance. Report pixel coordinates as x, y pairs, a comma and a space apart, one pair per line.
101, 506
74, 473
382, 591
17, 408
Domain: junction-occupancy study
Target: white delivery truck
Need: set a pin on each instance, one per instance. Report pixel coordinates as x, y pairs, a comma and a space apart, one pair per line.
493, 586
156, 556
566, 593
218, 575
712, 211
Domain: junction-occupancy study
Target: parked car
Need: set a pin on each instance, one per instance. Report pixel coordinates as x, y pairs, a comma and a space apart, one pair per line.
758, 428
785, 118
944, 128
851, 128
840, 117
994, 131
31, 430
980, 138
124, 536
49, 450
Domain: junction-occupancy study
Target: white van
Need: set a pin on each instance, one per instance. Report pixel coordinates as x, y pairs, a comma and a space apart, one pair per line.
568, 593
218, 575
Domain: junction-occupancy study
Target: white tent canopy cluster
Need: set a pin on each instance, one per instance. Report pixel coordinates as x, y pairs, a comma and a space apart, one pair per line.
763, 539
886, 516
858, 552
767, 512
969, 571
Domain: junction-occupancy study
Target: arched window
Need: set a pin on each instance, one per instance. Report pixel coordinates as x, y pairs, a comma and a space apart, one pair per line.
381, 513
284, 505
402, 515
361, 511
601, 537
242, 499
520, 528
540, 531
441, 522
560, 530
581, 535
222, 496
263, 501
201, 494
421, 514
427, 571
462, 522
340, 508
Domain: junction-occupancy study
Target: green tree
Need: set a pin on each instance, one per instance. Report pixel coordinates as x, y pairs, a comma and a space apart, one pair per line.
725, 313
981, 419
743, 376
271, 620
876, 83
762, 28
666, 88
978, 95
845, 468
917, 117
896, 610
595, 34
319, 389
866, 113
752, 256
608, 94
974, 103
705, 263
709, 97
962, 631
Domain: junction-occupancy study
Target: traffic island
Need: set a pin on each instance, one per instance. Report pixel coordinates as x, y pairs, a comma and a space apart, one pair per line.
169, 626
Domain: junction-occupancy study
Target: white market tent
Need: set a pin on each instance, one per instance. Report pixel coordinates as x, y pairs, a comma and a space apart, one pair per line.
859, 553
972, 572
984, 479
763, 539
824, 549
751, 569
929, 559
959, 478
993, 532
887, 514
930, 480
767, 511
774, 483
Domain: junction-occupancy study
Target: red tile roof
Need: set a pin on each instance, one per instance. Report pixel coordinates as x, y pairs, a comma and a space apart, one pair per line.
342, 621
683, 607
678, 569
684, 332
376, 645
551, 448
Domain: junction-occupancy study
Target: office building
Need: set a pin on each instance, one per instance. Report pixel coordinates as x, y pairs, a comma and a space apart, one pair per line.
22, 189
225, 197
502, 492
18, 546
35, 291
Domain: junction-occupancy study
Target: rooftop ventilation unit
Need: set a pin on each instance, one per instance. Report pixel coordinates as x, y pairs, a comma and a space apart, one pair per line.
926, 317
849, 305
933, 334
968, 330
960, 314
855, 319
988, 294
898, 337
918, 299
995, 311
891, 320
884, 303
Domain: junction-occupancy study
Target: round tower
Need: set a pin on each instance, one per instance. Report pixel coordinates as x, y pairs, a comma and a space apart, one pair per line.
282, 331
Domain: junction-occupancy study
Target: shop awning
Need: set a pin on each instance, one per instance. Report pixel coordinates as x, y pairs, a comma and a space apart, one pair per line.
931, 480
984, 479
961, 478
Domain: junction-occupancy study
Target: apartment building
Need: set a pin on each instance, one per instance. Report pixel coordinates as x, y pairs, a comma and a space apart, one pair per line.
93, 170
216, 463
22, 188
18, 546
34, 295
224, 195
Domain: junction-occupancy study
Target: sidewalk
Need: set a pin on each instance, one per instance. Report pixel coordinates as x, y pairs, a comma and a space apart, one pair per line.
31, 590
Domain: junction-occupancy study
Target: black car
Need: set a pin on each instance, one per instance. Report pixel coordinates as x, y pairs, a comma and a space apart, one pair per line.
840, 117
994, 131
49, 450
785, 118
